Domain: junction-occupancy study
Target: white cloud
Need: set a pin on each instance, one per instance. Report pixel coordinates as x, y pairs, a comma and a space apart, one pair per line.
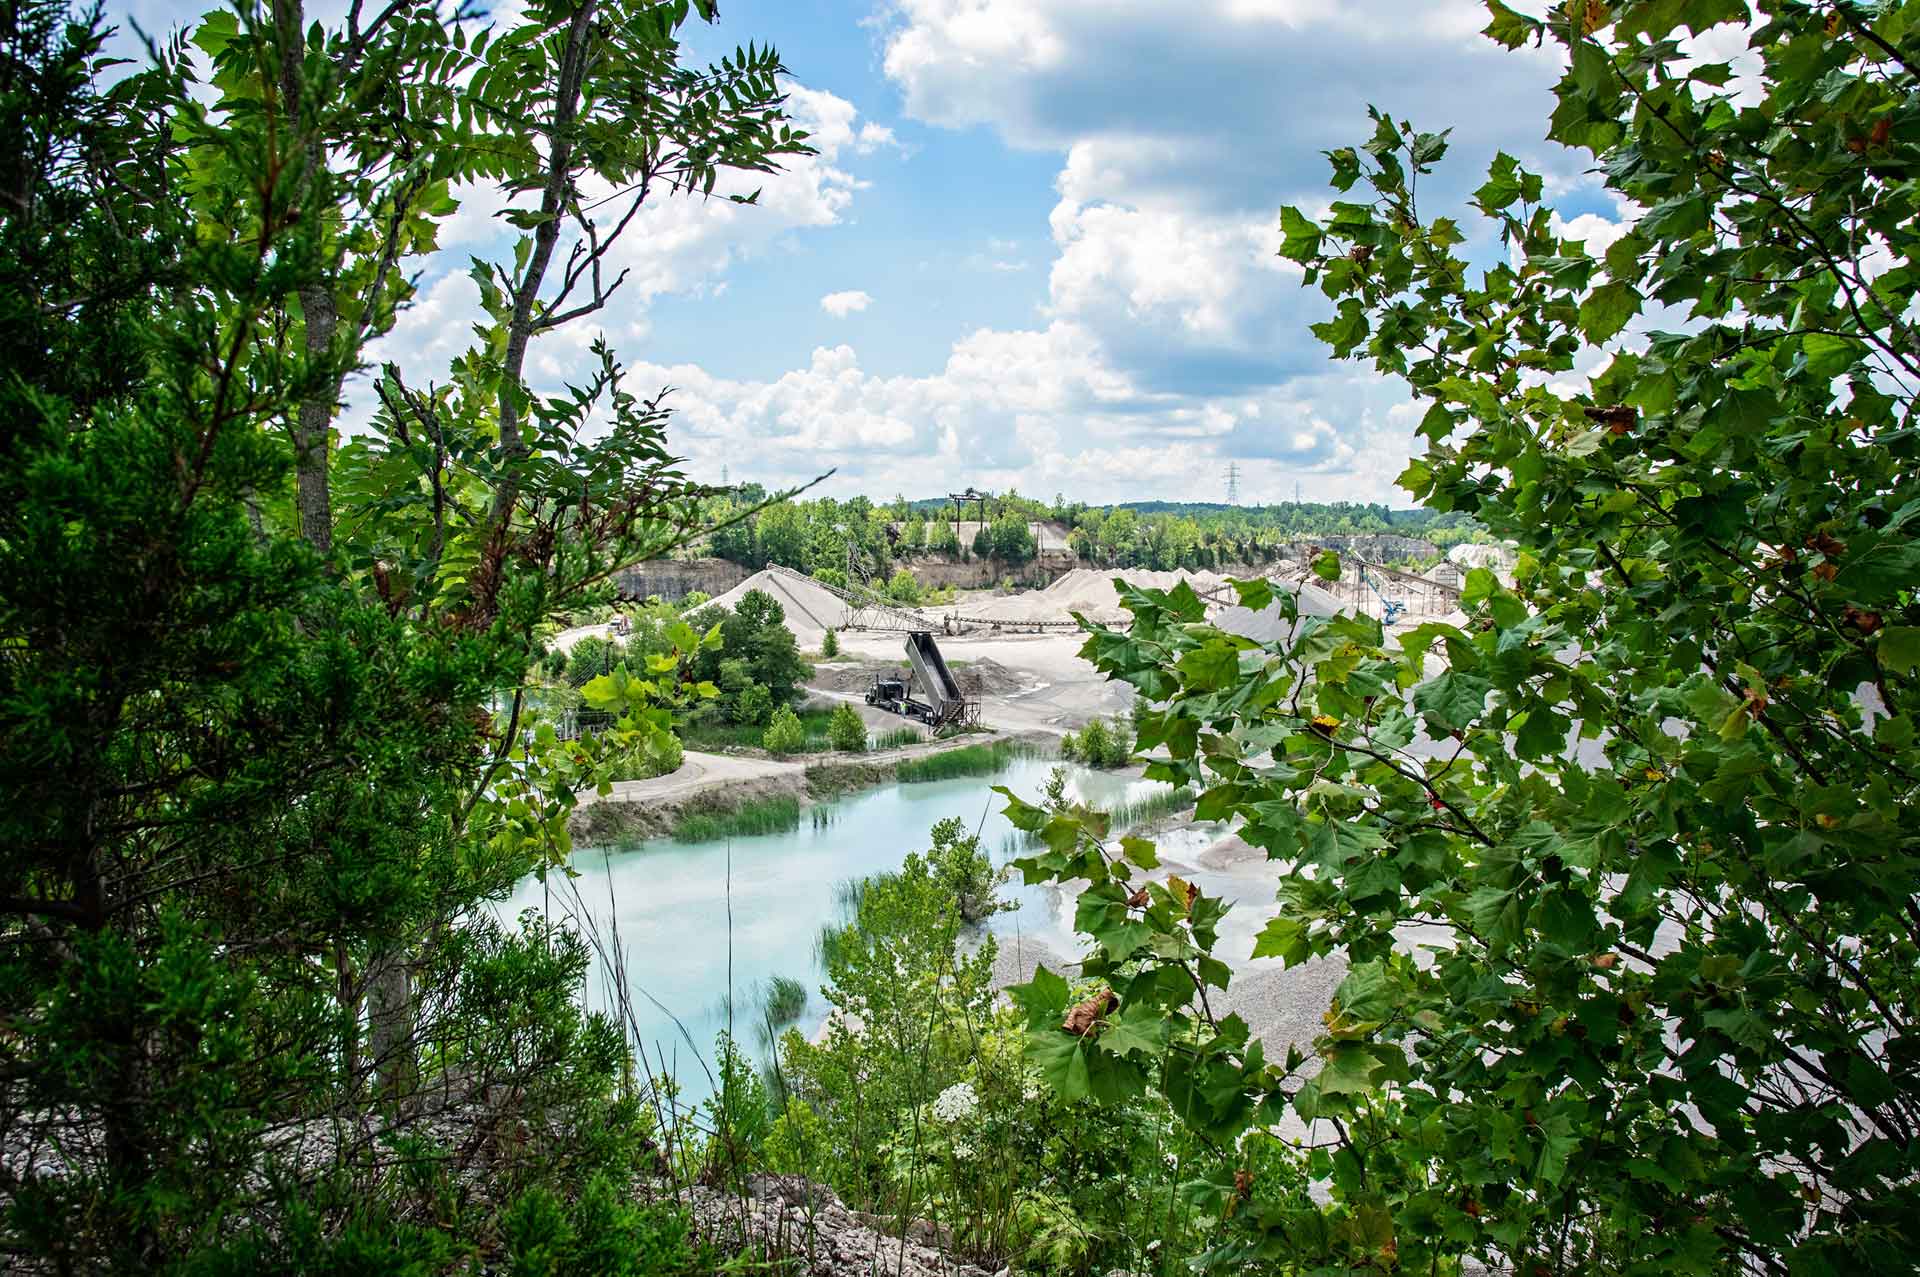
842, 304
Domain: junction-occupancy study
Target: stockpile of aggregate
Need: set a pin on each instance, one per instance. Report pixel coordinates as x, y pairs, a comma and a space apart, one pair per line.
812, 609
1087, 591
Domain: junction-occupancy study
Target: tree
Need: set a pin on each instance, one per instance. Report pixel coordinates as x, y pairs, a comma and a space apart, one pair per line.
253, 799
847, 730
753, 704
830, 644
785, 733
1012, 541
590, 657
904, 587
781, 532
1657, 799
756, 634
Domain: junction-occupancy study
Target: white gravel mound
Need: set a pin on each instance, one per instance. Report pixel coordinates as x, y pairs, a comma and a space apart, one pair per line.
811, 608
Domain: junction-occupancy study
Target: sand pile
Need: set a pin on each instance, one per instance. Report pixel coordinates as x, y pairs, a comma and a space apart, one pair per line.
1270, 624
812, 609
1088, 591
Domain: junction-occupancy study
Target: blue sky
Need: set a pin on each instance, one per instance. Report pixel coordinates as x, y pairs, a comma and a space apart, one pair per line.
1037, 247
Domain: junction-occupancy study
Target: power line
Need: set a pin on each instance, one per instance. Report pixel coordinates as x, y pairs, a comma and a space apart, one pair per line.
1233, 483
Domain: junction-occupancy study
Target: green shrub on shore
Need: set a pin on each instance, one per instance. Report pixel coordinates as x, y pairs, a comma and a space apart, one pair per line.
830, 645
847, 730
784, 734
1100, 744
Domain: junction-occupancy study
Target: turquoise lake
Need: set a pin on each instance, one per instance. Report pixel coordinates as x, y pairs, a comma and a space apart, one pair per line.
686, 914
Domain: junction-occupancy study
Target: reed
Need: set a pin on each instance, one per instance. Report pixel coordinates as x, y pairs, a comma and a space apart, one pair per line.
778, 814
897, 737
968, 760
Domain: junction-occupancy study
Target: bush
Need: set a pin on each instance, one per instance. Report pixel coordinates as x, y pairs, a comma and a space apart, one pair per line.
784, 734
830, 644
1099, 744
591, 657
847, 730
555, 662
965, 872
904, 587
753, 704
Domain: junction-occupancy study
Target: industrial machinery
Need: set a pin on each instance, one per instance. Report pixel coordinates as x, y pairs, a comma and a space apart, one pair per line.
929, 692
1390, 608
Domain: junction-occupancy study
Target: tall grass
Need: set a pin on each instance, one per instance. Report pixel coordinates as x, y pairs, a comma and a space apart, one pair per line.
783, 1000
897, 737
1144, 810
968, 760
778, 814
1128, 814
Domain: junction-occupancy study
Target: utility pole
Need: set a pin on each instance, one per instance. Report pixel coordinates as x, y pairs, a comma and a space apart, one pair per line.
1233, 483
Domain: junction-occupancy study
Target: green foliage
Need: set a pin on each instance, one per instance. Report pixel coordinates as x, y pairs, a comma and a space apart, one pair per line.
753, 705
962, 869
255, 799
847, 730
895, 738
590, 657
1011, 541
776, 814
784, 734
830, 644
756, 635
660, 755
597, 1236
904, 587
1652, 810
782, 1001
950, 764
1099, 744
931, 1111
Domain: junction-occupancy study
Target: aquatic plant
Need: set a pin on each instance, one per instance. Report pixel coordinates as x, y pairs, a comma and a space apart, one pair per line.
776, 814
968, 760
895, 737
783, 1000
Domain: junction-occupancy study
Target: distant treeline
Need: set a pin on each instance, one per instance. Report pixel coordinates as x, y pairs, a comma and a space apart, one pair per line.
863, 537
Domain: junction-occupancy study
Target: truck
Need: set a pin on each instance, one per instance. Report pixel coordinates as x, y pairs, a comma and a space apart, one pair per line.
927, 690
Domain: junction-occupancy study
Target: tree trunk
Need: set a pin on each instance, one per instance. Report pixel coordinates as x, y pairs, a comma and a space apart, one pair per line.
396, 1067
320, 314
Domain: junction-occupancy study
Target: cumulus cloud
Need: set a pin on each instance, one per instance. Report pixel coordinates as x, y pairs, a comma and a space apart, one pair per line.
842, 304
677, 244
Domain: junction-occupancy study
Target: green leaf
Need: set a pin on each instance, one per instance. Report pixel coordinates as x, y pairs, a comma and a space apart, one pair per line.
1453, 701
1348, 1069
1211, 666
1061, 1060
1300, 235
1508, 28
1043, 998
1326, 565
1607, 309
1899, 648
1141, 1029
1829, 355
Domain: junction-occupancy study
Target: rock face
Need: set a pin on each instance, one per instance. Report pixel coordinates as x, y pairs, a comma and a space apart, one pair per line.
785, 1217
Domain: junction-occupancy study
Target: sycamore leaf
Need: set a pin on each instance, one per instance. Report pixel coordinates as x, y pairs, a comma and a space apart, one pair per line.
1453, 701
1899, 648
1300, 240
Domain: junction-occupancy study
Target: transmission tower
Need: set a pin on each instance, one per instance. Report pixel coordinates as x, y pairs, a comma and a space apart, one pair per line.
1233, 483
